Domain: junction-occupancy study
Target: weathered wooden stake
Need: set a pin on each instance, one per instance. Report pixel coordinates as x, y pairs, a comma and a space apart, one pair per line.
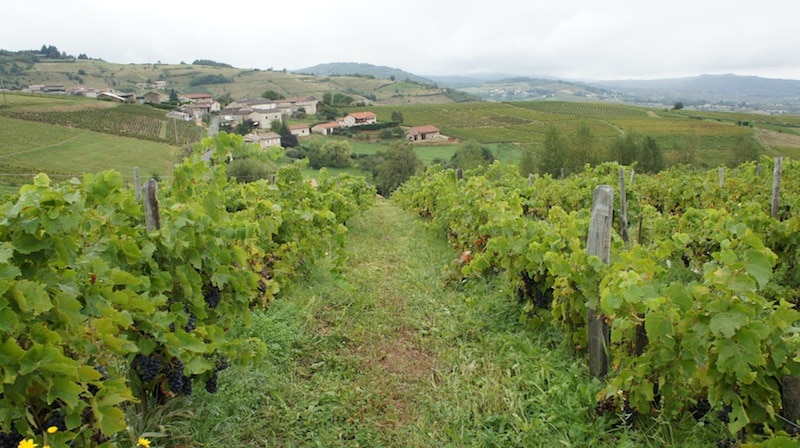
459, 174
776, 186
599, 244
623, 206
790, 396
721, 177
562, 174
152, 215
530, 179
137, 185
631, 181
758, 170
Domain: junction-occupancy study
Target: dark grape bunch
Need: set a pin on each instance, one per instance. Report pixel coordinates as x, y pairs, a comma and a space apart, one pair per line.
212, 296
211, 384
103, 377
622, 408
701, 409
722, 414
148, 367
178, 383
608, 404
726, 443
55, 419
10, 439
191, 325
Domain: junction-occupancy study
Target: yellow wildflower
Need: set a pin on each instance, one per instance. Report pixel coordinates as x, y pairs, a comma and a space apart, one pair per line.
52, 429
143, 442
27, 443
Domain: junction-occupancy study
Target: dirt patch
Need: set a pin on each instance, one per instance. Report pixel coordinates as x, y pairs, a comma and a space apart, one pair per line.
398, 355
399, 373
775, 139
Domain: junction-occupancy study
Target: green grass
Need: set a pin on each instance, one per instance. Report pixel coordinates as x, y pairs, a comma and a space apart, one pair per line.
21, 135
399, 352
92, 152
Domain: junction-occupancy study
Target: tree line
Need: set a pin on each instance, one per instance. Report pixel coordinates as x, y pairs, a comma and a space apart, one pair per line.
562, 155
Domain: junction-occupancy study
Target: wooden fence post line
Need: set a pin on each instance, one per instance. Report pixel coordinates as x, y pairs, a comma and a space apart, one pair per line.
599, 244
152, 215
776, 186
137, 184
623, 207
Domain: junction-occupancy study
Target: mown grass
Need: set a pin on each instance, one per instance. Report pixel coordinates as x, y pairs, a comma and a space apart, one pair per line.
397, 352
92, 152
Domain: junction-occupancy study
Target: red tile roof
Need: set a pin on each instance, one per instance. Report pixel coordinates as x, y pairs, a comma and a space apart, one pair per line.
363, 115
427, 129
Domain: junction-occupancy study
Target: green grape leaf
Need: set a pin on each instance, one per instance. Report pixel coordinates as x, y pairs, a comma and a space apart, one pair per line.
31, 297
659, 328
726, 323
759, 265
65, 389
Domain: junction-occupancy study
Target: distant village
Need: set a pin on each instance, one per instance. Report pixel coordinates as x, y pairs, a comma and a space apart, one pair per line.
261, 112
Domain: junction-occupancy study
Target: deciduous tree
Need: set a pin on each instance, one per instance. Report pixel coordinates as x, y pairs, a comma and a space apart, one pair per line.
552, 155
400, 162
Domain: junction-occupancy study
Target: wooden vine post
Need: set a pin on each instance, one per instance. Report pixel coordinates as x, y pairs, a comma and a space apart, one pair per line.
776, 186
623, 207
599, 244
152, 215
790, 385
459, 174
137, 184
721, 177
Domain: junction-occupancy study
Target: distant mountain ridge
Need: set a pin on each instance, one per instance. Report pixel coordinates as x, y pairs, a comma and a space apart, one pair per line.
362, 69
21, 69
712, 89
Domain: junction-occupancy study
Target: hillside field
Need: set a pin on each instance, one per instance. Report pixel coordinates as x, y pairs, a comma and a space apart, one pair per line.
66, 135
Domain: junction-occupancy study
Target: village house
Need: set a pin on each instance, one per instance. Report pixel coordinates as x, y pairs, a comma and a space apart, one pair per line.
235, 115
152, 97
288, 107
358, 119
200, 108
179, 115
117, 97
264, 118
326, 128
264, 140
305, 104
195, 97
300, 130
420, 133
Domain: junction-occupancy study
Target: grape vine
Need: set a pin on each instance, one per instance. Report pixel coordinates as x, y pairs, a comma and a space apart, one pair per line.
98, 312
708, 276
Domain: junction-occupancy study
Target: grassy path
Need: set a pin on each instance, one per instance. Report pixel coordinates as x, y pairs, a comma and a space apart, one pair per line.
391, 355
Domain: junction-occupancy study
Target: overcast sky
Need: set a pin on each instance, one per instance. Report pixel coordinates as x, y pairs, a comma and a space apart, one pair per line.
572, 39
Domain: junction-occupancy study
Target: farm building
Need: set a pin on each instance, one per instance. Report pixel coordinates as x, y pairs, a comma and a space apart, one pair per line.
299, 130
358, 119
264, 140
325, 128
152, 97
420, 133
